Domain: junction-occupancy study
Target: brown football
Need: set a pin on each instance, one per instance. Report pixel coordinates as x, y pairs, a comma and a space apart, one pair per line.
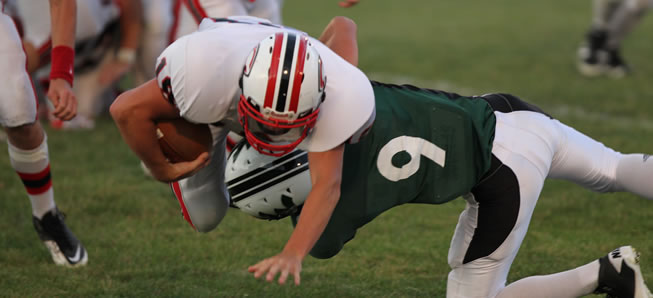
181, 140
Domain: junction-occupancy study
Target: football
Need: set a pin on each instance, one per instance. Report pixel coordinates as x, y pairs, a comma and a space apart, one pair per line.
181, 140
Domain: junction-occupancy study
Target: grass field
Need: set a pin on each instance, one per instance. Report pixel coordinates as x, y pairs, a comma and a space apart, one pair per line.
139, 245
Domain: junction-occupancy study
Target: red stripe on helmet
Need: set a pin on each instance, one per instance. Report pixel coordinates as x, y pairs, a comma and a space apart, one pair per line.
177, 190
299, 73
274, 67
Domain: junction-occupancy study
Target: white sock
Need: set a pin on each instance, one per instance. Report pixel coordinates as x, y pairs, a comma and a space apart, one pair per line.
572, 283
33, 168
635, 174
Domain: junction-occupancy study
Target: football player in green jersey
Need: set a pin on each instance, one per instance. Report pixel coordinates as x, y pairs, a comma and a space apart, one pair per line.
428, 146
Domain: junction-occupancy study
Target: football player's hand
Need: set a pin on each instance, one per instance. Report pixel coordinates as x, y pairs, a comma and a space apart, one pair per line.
348, 3
283, 263
171, 172
63, 99
112, 71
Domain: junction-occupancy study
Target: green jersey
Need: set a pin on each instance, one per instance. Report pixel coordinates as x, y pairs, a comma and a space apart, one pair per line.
425, 146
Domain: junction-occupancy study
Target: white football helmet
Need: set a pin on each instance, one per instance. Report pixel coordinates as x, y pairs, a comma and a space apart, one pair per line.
282, 89
264, 186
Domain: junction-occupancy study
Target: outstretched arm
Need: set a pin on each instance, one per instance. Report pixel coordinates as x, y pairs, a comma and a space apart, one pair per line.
135, 113
326, 174
63, 21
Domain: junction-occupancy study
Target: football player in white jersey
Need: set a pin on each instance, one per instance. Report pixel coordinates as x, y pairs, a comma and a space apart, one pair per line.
98, 65
339, 107
28, 149
612, 21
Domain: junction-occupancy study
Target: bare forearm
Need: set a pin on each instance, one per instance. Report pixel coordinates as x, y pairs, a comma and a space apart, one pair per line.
326, 169
63, 20
314, 217
131, 23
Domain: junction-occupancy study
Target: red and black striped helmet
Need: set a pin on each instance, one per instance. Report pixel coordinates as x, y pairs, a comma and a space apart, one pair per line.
282, 89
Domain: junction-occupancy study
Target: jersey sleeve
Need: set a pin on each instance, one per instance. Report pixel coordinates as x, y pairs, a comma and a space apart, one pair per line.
171, 73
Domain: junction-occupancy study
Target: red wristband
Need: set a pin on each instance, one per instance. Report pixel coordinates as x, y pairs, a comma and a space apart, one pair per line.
62, 63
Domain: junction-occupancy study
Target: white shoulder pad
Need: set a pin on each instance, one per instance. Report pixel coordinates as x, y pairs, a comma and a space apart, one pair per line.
348, 108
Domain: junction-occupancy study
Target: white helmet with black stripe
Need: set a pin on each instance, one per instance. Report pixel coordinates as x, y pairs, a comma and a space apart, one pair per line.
267, 187
282, 89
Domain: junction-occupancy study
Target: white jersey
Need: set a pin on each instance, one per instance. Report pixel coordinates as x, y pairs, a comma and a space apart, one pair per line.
199, 74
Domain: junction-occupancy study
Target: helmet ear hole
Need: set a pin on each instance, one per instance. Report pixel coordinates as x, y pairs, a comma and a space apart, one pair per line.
240, 82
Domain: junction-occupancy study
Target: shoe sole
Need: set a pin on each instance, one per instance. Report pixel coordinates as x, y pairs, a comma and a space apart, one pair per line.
631, 256
60, 259
590, 70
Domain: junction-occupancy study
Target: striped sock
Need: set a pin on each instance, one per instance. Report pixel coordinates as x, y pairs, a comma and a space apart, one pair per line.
33, 168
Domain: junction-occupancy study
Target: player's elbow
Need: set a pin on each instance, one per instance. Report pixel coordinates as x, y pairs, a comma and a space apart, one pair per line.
120, 109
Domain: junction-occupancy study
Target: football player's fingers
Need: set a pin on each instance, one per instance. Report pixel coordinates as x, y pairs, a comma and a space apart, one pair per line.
68, 107
296, 276
272, 272
186, 169
283, 276
54, 100
261, 268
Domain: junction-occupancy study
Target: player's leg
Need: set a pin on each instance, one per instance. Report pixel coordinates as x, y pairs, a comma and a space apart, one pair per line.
158, 15
203, 197
624, 20
600, 275
617, 274
192, 12
494, 223
28, 150
591, 164
591, 57
266, 9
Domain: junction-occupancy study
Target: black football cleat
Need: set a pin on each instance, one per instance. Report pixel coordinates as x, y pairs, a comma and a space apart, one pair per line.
620, 275
61, 242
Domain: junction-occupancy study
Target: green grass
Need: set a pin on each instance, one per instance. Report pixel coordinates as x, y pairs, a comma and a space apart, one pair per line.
140, 246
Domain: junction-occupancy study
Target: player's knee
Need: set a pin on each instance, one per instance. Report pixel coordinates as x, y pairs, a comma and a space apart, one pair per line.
26, 136
206, 220
343, 24
325, 251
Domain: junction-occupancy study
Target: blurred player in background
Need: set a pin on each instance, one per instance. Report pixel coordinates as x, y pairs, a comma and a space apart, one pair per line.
189, 13
158, 20
28, 149
612, 21
107, 38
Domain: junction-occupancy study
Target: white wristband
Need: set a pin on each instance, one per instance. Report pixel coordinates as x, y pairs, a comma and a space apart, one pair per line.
126, 55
